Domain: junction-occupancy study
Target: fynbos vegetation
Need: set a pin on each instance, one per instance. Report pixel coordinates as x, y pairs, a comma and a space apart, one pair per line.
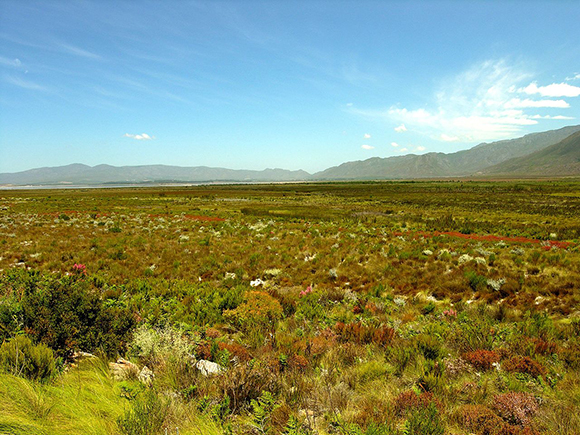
340, 308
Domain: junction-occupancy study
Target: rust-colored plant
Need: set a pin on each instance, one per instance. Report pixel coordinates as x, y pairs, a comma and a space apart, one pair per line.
524, 364
481, 359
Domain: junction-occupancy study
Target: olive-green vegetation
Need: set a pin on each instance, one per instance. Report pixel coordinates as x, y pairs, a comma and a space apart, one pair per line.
333, 308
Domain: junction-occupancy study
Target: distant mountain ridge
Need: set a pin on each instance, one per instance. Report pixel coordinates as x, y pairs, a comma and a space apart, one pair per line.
550, 153
434, 165
79, 174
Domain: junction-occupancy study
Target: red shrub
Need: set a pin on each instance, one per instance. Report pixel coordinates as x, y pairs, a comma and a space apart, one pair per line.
298, 362
409, 400
481, 420
524, 365
481, 359
362, 334
545, 347
237, 350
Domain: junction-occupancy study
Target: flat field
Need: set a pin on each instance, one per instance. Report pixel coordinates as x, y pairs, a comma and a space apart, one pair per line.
350, 308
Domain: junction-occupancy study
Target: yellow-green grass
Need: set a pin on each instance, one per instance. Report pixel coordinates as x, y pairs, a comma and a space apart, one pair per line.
84, 400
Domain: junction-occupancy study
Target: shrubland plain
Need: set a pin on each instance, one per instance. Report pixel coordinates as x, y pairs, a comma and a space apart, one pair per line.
341, 308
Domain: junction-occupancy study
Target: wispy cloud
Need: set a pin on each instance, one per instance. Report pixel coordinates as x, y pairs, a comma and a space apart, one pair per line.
420, 148
77, 51
25, 84
480, 104
142, 136
367, 147
394, 144
560, 117
4, 61
366, 136
553, 90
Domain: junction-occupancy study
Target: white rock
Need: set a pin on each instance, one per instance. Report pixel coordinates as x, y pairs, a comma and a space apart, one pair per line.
209, 367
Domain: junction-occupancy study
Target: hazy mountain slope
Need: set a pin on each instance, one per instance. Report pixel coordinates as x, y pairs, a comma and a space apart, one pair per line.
82, 174
561, 159
461, 163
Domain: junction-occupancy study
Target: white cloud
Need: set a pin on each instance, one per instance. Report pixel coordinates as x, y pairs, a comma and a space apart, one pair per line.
553, 90
394, 144
517, 103
448, 138
367, 136
402, 150
472, 106
367, 147
574, 77
142, 136
480, 104
559, 117
420, 148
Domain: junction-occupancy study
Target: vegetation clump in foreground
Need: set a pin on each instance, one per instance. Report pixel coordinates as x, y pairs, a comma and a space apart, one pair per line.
340, 308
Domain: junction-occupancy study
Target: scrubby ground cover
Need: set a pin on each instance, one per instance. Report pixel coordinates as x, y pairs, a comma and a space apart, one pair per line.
348, 308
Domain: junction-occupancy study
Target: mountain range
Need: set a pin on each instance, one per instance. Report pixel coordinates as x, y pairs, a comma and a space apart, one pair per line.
552, 153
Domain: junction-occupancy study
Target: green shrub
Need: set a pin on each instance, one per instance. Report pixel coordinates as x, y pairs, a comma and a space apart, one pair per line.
429, 346
20, 357
260, 310
68, 314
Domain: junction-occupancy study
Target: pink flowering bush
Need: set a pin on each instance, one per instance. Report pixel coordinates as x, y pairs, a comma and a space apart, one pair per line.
450, 314
307, 291
79, 269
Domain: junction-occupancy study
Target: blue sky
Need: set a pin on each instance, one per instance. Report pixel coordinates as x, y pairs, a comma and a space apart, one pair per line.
291, 84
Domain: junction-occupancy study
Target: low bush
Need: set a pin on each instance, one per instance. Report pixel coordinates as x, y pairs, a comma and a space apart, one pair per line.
67, 314
481, 359
516, 408
410, 400
20, 357
525, 365
259, 310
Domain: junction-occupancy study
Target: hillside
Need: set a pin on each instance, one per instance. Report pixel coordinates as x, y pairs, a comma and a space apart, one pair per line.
561, 159
461, 163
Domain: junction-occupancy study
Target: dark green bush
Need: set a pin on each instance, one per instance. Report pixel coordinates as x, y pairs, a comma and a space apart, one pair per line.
68, 314
20, 357
429, 346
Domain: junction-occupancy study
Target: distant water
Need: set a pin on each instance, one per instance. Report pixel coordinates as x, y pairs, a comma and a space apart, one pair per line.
96, 186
